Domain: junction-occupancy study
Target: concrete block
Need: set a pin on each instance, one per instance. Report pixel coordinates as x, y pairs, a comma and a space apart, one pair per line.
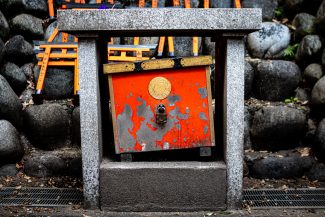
163, 186
153, 22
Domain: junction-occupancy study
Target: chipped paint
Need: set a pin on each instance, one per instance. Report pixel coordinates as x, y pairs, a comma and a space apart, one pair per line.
203, 116
174, 140
166, 146
205, 130
187, 110
204, 105
178, 126
203, 92
145, 134
172, 99
125, 126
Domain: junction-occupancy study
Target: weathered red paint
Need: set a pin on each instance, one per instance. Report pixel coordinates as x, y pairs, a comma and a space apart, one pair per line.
133, 106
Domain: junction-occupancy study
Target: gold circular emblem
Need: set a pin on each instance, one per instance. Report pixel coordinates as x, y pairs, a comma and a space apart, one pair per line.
159, 87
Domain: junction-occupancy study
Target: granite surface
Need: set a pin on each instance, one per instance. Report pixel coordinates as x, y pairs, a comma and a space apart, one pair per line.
163, 186
234, 120
90, 120
176, 21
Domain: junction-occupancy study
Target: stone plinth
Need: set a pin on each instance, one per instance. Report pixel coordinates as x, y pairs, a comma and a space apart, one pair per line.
163, 186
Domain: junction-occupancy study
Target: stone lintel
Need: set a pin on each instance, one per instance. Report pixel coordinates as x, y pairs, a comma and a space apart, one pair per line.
162, 21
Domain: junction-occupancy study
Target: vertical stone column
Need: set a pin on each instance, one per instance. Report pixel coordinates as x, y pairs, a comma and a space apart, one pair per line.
233, 119
90, 118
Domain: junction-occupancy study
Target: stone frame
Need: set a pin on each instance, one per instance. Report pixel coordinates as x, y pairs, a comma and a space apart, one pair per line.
226, 26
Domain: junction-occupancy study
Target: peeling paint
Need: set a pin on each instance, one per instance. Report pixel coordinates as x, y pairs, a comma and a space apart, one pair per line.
205, 130
203, 92
178, 126
204, 105
172, 99
180, 115
145, 134
187, 110
174, 140
166, 145
203, 116
125, 126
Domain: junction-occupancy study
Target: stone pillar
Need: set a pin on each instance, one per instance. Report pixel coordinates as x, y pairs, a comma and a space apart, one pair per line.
233, 119
90, 118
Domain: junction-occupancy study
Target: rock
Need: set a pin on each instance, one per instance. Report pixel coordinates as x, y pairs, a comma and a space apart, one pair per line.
11, 149
47, 126
292, 7
27, 69
269, 41
209, 47
76, 126
2, 45
18, 51
276, 80
44, 165
320, 19
313, 73
27, 25
184, 46
277, 127
4, 26
49, 31
281, 167
249, 78
247, 138
65, 161
323, 58
302, 95
309, 50
318, 93
221, 3
304, 24
317, 172
58, 82
15, 77
8, 170
268, 7
311, 131
10, 106
320, 140
13, 7
37, 8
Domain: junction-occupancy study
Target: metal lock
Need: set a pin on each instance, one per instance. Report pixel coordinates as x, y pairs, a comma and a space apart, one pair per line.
161, 115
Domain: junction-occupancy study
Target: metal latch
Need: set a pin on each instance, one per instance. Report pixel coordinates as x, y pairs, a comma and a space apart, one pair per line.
161, 115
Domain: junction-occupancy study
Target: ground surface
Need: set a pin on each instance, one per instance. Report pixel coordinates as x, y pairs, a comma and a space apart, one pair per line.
74, 212
21, 180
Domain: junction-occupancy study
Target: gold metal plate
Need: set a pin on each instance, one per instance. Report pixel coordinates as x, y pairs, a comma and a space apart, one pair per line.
159, 87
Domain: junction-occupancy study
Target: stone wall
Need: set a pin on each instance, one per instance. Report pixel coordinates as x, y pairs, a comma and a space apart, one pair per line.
284, 91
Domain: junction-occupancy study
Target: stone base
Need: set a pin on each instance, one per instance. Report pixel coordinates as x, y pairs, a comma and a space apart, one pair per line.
162, 186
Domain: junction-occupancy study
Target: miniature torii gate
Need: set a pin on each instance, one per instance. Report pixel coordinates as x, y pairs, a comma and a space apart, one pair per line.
226, 26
